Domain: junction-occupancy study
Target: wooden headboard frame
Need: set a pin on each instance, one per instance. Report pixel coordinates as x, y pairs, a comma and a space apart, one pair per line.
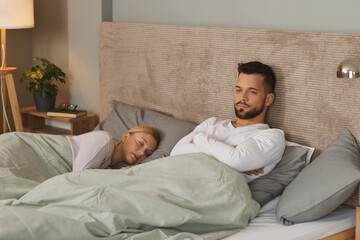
190, 72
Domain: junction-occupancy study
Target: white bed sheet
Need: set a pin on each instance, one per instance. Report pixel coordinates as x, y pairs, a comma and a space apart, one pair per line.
265, 225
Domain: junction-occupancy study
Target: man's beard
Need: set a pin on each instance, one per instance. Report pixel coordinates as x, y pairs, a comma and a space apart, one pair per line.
253, 112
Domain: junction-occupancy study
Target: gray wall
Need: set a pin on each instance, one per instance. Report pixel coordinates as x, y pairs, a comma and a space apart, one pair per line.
304, 15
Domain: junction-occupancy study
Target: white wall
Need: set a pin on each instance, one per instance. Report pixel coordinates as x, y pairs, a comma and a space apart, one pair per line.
84, 17
304, 15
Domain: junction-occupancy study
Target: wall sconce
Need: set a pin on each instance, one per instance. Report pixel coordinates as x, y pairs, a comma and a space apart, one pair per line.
349, 68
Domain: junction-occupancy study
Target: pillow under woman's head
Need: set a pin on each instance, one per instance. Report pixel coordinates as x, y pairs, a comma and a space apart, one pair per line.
123, 117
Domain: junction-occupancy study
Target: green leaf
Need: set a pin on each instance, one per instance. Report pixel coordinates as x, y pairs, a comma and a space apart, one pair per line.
42, 76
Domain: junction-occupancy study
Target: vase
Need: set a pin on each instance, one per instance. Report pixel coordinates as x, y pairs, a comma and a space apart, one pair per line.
44, 104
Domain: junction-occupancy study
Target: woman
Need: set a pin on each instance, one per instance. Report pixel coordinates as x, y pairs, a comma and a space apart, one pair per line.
97, 149
27, 159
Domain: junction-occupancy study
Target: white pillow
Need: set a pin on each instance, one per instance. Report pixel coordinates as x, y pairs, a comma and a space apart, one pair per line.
309, 154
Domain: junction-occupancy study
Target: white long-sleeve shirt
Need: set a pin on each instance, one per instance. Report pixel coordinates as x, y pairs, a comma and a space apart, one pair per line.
242, 148
91, 150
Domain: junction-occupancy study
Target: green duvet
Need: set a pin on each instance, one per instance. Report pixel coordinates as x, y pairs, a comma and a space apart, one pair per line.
190, 196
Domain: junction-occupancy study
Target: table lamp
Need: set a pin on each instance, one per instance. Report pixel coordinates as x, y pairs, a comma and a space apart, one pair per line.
14, 14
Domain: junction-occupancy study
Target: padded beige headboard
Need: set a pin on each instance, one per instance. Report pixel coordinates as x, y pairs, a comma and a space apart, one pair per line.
190, 72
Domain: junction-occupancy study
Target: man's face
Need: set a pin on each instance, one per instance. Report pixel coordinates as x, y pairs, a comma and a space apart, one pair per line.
250, 96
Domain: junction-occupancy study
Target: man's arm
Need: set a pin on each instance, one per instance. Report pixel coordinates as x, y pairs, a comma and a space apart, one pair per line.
185, 145
255, 153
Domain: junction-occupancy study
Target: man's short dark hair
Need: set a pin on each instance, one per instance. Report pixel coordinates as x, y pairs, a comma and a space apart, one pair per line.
262, 69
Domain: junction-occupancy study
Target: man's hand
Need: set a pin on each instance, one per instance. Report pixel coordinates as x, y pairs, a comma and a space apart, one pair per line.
255, 172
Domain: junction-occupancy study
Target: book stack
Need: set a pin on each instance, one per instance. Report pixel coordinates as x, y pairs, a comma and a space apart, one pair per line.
65, 113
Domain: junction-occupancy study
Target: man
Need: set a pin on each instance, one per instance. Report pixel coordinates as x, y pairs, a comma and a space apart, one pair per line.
247, 145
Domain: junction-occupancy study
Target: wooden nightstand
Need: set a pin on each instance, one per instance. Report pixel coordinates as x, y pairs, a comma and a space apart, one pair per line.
34, 121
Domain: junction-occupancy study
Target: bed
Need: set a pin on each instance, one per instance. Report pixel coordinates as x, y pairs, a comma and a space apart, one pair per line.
188, 72
172, 78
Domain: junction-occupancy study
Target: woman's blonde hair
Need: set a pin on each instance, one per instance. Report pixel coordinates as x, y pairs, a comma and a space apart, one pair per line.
145, 129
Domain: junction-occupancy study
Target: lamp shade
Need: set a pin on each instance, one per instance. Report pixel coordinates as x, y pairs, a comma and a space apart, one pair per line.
16, 14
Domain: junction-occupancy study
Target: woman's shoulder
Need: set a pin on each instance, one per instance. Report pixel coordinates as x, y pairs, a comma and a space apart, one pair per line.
98, 135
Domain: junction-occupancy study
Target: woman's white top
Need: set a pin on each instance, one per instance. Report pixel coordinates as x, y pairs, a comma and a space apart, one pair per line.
242, 148
91, 150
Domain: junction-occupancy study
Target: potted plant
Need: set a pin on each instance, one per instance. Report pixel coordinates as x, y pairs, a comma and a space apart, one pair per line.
43, 83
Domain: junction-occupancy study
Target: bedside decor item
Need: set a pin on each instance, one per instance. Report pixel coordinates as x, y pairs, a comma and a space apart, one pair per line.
349, 68
67, 111
14, 14
42, 84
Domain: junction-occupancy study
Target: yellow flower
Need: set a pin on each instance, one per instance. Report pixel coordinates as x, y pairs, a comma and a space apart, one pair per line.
38, 74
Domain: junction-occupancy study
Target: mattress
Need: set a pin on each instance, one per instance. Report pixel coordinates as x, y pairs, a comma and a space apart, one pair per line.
265, 225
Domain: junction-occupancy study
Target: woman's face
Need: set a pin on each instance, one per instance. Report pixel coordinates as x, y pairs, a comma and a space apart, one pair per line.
137, 146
